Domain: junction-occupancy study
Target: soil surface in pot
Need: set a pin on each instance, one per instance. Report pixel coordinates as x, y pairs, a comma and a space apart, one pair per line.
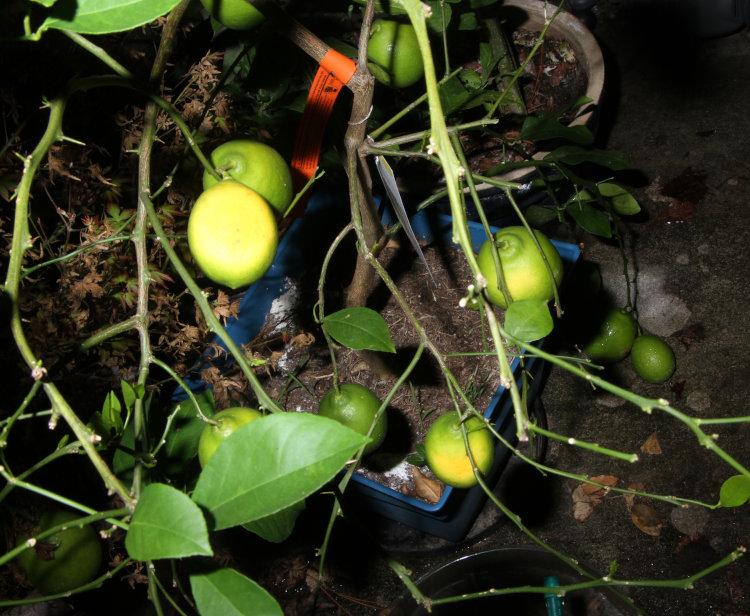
299, 373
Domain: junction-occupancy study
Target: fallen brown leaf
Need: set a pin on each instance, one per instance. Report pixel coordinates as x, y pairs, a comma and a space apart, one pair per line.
582, 511
426, 488
652, 445
588, 496
646, 519
636, 486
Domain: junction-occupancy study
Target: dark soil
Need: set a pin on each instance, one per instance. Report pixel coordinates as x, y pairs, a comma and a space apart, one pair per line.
302, 371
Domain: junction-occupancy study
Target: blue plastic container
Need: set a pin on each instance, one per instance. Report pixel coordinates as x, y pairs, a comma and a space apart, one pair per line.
452, 516
302, 245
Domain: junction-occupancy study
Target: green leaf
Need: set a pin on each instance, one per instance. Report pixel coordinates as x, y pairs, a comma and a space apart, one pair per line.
359, 328
543, 126
105, 16
129, 395
278, 526
47, 3
528, 320
226, 592
735, 491
591, 219
574, 155
123, 461
622, 201
166, 524
540, 215
285, 458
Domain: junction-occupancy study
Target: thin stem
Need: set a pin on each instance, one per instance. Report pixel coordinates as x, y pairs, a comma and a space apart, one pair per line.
320, 311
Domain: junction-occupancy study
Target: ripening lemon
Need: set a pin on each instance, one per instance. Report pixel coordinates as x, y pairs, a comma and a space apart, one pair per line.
232, 234
226, 422
355, 406
393, 51
608, 335
234, 14
524, 270
653, 359
445, 449
64, 560
257, 166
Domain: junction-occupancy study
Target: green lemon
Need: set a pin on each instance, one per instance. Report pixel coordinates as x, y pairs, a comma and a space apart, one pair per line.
653, 359
227, 421
257, 166
64, 560
393, 51
234, 14
610, 335
524, 269
355, 407
445, 449
232, 234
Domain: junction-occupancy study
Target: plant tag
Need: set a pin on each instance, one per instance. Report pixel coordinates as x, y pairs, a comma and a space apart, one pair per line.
394, 196
334, 72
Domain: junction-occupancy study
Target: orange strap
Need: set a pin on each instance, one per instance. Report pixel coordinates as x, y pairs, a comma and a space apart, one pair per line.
334, 72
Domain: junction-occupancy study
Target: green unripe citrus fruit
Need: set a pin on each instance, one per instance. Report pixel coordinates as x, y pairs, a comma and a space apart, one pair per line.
524, 269
355, 407
234, 14
611, 335
227, 421
445, 449
257, 166
653, 359
394, 53
64, 560
232, 234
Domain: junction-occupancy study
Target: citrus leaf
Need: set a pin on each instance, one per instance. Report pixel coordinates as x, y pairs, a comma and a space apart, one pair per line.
528, 320
539, 215
278, 526
105, 16
593, 220
226, 592
285, 458
166, 524
623, 202
574, 155
735, 491
543, 126
359, 328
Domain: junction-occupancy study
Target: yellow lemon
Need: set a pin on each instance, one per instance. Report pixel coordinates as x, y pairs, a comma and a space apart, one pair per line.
445, 449
232, 234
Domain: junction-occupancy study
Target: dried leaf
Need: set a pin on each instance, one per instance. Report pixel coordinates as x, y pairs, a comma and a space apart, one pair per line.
646, 519
652, 445
302, 340
426, 488
691, 333
636, 486
586, 493
582, 511
676, 211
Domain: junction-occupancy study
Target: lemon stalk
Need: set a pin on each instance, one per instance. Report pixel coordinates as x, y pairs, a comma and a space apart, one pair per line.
21, 242
440, 144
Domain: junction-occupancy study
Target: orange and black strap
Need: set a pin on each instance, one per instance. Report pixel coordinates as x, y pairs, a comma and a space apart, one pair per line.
334, 71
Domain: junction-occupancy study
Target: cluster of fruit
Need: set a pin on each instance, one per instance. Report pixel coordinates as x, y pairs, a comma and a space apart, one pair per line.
609, 334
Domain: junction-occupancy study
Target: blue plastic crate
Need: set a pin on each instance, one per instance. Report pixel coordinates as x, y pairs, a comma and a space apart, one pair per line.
452, 516
454, 513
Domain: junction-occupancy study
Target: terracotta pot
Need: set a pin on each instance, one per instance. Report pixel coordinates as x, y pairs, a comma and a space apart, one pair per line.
531, 15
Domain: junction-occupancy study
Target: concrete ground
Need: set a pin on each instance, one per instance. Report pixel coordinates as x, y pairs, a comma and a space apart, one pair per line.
678, 107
